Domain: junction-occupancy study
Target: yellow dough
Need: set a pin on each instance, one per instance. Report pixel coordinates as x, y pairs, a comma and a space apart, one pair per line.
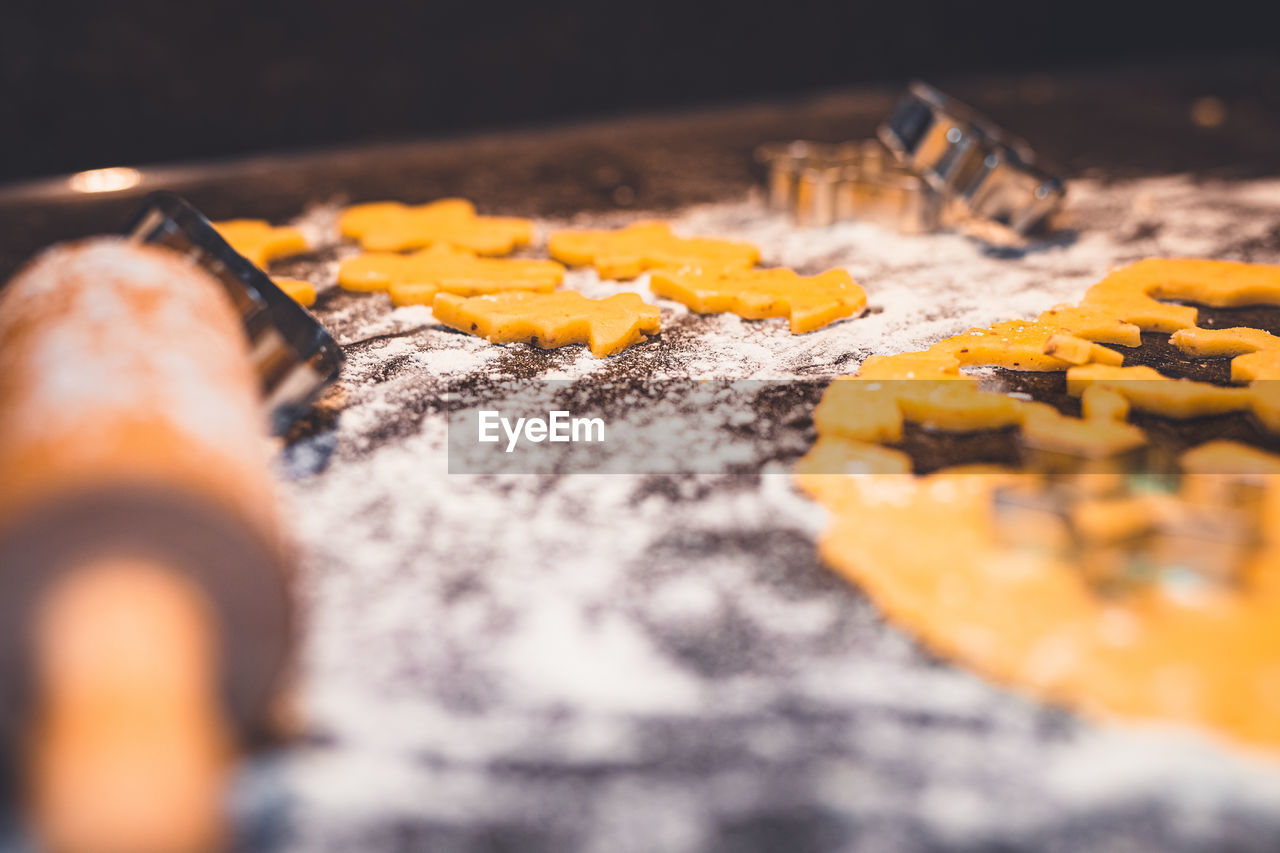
260, 241
416, 278
875, 411
808, 302
1094, 324
1060, 339
1025, 619
1150, 391
1020, 345
390, 226
1014, 344
1257, 353
551, 320
1026, 616
302, 292
627, 252
1132, 294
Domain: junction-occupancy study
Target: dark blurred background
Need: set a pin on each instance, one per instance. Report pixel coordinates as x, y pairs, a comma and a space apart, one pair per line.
91, 84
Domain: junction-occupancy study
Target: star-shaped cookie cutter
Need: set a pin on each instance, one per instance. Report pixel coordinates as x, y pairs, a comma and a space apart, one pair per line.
826, 183
937, 164
985, 172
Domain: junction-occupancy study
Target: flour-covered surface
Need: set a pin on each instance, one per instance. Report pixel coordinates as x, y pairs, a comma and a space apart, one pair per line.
642, 663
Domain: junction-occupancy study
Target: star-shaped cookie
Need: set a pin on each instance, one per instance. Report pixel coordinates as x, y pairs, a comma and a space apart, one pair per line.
260, 241
809, 302
416, 278
550, 320
627, 252
390, 226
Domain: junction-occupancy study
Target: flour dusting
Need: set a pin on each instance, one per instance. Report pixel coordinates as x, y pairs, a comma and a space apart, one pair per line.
589, 662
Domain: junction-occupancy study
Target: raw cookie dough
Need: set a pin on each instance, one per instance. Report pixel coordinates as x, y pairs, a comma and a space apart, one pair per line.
1027, 619
1116, 310
1013, 344
551, 320
260, 241
1020, 345
1030, 617
302, 292
856, 410
809, 302
627, 252
416, 278
390, 226
1257, 353
1132, 294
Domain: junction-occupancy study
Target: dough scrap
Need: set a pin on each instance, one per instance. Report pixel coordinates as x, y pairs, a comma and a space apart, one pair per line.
875, 412
416, 278
390, 226
1022, 345
1149, 390
809, 302
627, 252
260, 241
1093, 324
1257, 353
550, 320
302, 292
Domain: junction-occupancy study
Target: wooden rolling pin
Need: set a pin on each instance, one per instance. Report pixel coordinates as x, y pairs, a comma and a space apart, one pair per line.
145, 615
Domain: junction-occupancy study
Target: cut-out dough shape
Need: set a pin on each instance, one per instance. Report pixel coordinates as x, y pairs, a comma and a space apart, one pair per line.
1022, 345
1132, 294
1229, 458
415, 279
1257, 353
1149, 390
1095, 373
1092, 324
808, 302
390, 226
550, 320
260, 241
627, 252
302, 292
1014, 344
869, 412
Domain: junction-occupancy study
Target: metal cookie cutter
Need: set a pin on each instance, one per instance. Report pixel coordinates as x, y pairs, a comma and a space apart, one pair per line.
987, 174
1131, 518
822, 183
295, 357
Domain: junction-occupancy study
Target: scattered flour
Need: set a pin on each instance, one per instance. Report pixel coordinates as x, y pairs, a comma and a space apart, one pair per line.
630, 662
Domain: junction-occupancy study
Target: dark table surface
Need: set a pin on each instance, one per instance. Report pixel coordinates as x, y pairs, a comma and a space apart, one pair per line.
1117, 123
